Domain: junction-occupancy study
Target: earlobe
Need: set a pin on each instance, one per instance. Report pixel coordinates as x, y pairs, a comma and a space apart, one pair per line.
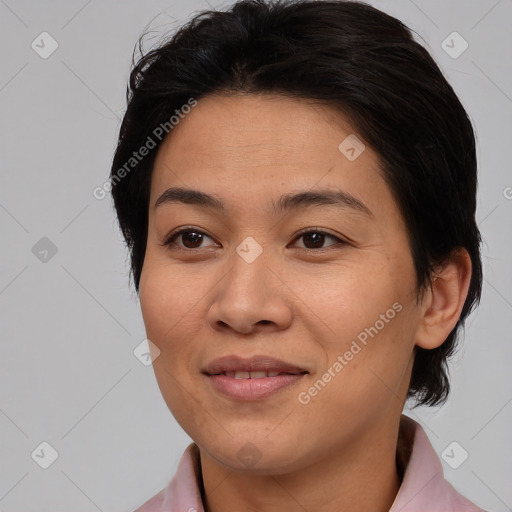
443, 302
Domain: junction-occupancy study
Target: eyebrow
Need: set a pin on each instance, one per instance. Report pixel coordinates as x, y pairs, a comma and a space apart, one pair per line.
286, 202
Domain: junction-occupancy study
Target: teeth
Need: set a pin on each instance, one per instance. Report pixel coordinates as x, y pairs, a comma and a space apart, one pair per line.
251, 375
258, 375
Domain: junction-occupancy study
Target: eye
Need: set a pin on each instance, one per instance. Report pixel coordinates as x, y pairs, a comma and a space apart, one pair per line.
314, 239
190, 238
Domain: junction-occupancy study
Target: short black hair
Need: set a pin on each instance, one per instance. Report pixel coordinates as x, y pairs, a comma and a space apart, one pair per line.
358, 60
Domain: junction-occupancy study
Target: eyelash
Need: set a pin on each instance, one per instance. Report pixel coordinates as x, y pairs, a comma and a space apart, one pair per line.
169, 242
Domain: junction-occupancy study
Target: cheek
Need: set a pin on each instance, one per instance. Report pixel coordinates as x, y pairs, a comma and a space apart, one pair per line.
366, 317
153, 305
168, 316
345, 299
173, 313
163, 302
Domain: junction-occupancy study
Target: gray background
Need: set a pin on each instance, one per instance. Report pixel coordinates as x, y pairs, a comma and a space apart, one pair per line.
70, 323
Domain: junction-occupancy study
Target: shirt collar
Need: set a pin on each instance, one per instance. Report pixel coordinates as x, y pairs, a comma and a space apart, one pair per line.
423, 487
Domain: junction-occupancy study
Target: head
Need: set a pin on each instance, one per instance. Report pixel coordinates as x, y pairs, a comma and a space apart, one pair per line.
254, 105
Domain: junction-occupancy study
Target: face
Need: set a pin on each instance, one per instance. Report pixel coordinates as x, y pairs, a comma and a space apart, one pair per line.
301, 256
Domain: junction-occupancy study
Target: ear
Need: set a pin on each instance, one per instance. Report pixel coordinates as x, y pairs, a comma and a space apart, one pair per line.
442, 303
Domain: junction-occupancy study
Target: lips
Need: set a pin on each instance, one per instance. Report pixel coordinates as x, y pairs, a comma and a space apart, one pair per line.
253, 379
253, 375
256, 367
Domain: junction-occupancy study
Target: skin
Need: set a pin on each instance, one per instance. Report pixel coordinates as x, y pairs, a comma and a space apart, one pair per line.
305, 305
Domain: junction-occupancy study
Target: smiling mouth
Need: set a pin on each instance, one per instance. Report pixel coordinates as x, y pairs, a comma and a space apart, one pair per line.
256, 374
243, 386
253, 378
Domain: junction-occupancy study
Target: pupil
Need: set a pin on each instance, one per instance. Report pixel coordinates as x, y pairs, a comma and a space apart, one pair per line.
194, 236
316, 239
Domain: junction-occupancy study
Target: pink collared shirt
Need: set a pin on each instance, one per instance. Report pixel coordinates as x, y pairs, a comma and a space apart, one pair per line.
423, 488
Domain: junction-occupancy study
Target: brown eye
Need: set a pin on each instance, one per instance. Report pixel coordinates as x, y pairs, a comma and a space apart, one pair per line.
189, 238
313, 240
316, 239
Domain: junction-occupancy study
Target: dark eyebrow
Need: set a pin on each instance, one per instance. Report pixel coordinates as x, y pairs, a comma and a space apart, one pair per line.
286, 202
189, 196
322, 198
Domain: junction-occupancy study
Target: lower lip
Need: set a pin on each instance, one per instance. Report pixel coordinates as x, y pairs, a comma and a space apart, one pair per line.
252, 389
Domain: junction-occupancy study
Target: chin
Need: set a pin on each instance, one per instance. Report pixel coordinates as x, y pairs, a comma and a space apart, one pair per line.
255, 455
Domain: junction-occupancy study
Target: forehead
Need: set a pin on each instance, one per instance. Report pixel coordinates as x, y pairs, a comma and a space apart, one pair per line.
246, 147
258, 124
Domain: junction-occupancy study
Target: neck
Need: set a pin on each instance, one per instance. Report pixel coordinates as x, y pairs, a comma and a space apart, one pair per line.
360, 476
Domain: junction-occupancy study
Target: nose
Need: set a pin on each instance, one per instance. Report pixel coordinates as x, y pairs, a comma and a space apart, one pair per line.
251, 297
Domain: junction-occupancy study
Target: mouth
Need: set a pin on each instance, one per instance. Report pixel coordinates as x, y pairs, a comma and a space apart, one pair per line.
256, 378
240, 374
